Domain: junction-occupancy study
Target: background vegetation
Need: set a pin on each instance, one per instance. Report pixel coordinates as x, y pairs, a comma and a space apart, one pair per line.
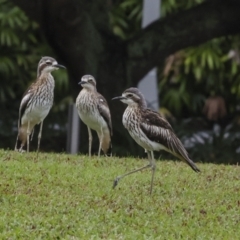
198, 86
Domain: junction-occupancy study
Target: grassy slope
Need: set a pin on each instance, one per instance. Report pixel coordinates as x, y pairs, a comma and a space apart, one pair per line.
71, 197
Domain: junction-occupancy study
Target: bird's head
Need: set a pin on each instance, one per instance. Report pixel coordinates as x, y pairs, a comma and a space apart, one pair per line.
132, 97
47, 65
88, 82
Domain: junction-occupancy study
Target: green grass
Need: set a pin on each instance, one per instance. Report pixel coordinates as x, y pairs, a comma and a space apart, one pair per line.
60, 196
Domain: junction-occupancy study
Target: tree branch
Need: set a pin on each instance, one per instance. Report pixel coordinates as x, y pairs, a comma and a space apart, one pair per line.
78, 32
213, 18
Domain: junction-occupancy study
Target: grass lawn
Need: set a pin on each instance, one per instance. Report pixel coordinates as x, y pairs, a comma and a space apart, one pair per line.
60, 196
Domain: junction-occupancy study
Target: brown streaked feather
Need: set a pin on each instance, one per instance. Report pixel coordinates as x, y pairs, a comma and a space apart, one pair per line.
157, 129
154, 118
163, 136
104, 111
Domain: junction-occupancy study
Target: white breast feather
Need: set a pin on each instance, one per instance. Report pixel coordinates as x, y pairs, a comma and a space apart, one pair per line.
89, 112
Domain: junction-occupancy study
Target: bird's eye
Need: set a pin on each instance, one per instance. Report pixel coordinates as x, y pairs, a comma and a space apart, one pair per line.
48, 62
130, 95
90, 80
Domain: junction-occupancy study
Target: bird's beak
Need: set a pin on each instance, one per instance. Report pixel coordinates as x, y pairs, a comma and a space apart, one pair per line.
81, 82
118, 98
59, 66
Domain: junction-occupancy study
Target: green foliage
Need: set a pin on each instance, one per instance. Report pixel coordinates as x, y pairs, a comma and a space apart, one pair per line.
202, 71
125, 18
60, 196
21, 46
17, 39
173, 6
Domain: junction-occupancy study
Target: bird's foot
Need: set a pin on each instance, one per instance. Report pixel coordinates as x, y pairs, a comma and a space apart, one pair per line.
115, 183
19, 150
108, 155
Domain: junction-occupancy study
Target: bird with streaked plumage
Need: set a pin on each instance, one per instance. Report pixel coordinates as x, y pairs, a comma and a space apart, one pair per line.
36, 102
93, 110
151, 131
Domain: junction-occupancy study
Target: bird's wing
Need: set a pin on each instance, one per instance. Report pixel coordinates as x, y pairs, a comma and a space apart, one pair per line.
155, 119
159, 130
27, 96
104, 111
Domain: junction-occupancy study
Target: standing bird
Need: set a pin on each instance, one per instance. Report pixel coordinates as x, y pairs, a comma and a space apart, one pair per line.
36, 102
150, 131
94, 112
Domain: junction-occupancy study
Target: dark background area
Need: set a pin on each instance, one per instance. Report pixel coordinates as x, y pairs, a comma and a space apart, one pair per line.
195, 47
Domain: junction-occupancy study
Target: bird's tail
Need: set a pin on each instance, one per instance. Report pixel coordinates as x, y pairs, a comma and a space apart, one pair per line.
17, 144
107, 143
22, 136
192, 165
179, 151
109, 151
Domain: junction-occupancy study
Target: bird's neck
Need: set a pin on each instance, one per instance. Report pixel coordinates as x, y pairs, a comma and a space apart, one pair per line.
135, 105
46, 78
90, 90
132, 108
45, 75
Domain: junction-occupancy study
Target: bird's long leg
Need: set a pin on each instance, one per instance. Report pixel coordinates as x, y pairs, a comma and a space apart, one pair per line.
16, 144
115, 183
100, 142
17, 136
90, 142
28, 134
39, 137
153, 165
32, 133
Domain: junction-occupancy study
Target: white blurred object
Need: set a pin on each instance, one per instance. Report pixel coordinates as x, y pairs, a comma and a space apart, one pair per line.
148, 85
